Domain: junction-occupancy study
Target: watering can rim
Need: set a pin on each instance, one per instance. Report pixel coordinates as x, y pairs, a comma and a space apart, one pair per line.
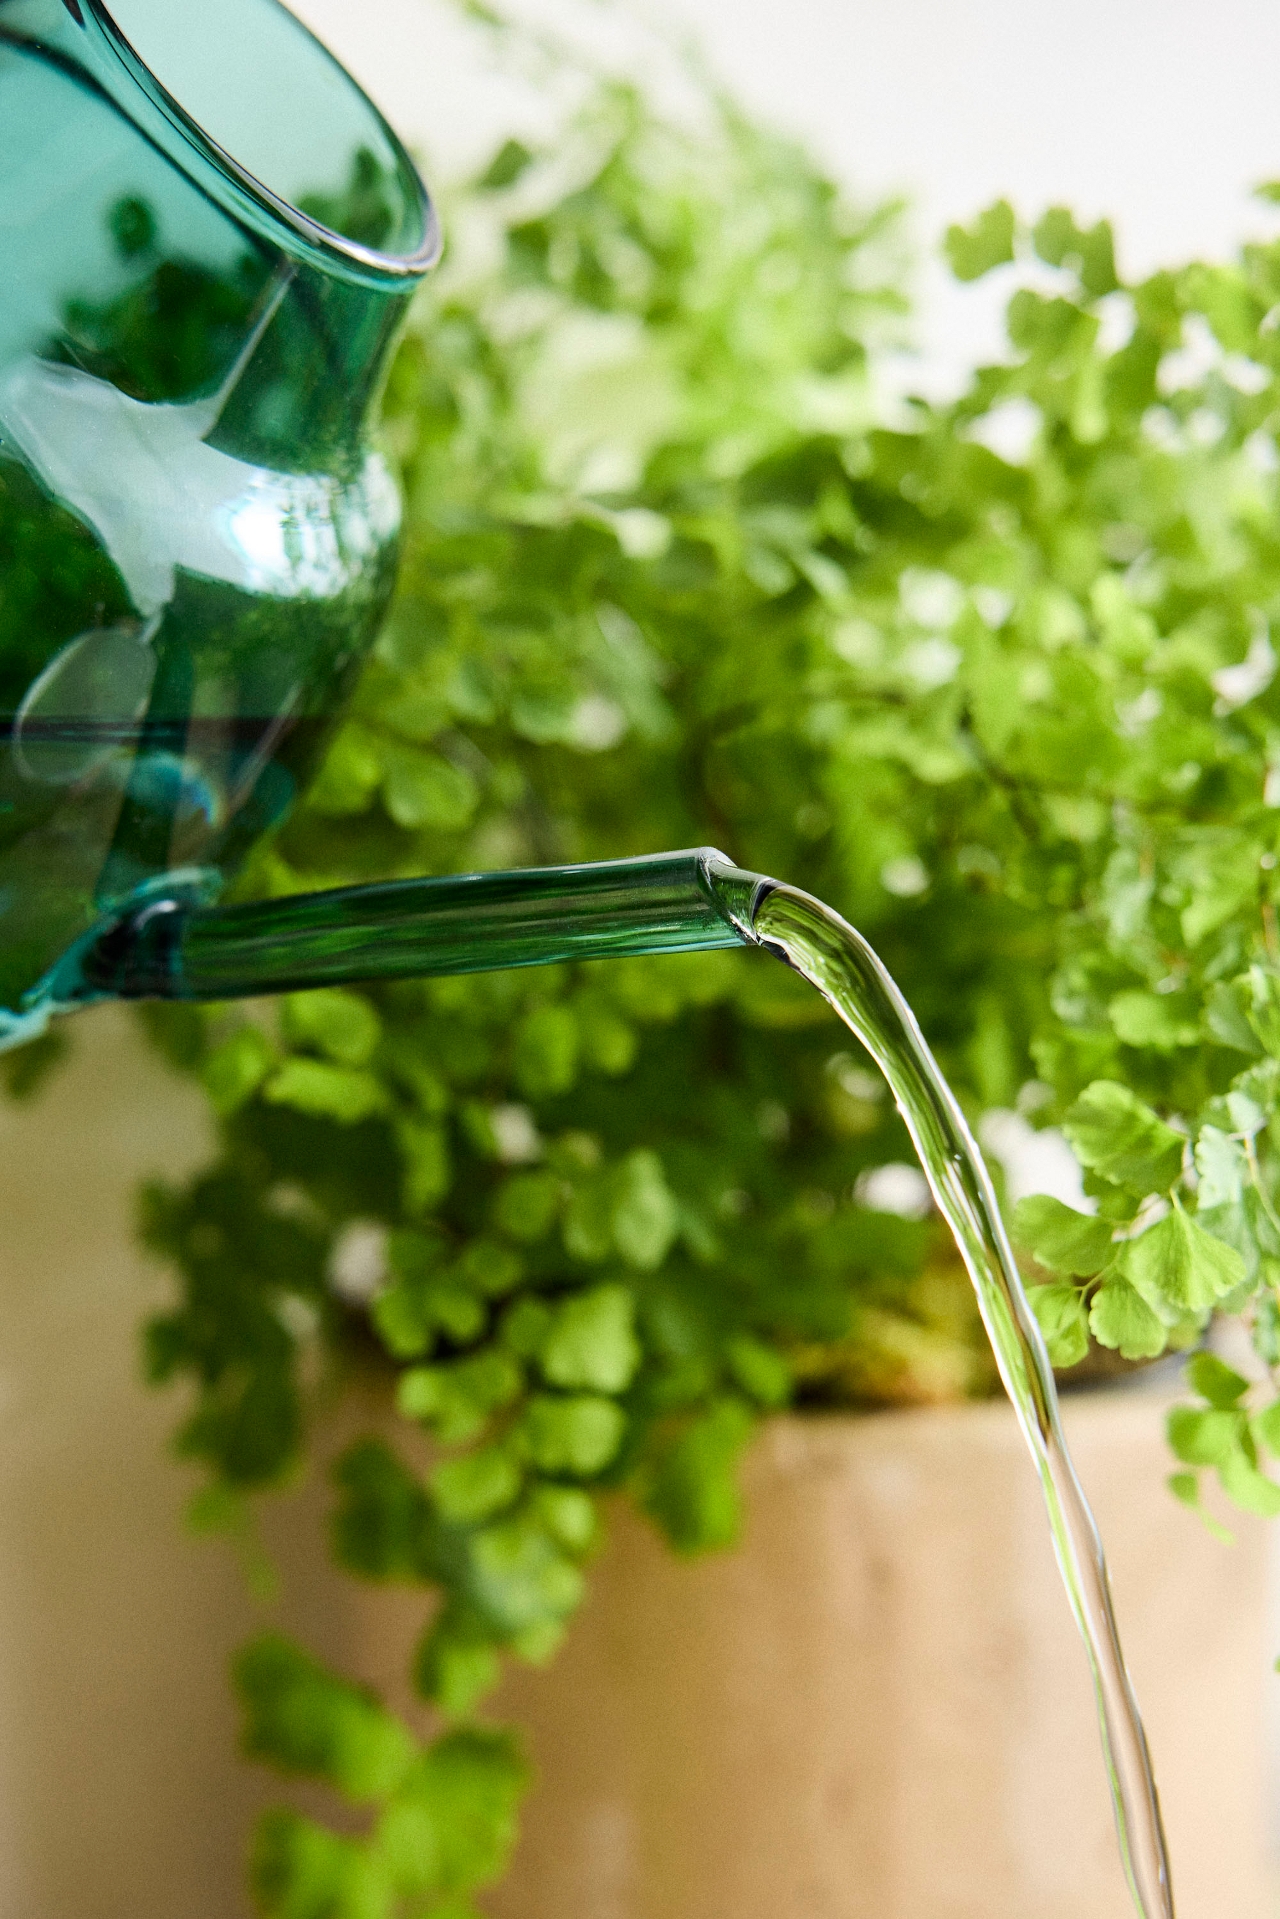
371, 264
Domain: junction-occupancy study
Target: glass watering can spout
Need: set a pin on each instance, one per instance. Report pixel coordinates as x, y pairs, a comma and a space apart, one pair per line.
668, 903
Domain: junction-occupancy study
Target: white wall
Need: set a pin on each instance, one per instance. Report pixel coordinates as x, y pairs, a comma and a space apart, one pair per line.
1159, 113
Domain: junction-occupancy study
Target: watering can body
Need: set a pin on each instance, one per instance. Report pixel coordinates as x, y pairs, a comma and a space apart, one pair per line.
208, 240
197, 536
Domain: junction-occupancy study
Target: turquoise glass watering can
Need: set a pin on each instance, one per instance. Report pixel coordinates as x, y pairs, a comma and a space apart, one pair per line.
208, 239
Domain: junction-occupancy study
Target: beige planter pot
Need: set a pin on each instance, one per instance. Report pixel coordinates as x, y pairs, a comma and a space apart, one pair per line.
120, 1796
877, 1707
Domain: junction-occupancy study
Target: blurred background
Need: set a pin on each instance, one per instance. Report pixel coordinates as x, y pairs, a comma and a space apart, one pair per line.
1159, 115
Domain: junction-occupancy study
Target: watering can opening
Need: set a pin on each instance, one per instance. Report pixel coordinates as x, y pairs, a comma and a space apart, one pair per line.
254, 91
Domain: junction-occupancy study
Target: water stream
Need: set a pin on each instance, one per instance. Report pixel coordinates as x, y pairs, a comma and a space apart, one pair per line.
839, 962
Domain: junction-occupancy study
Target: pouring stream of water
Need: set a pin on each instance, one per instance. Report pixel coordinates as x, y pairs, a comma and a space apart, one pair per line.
819, 945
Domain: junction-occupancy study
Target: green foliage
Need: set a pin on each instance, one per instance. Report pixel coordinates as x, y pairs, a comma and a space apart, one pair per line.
442, 1815
1064, 1321
306, 1722
670, 578
1228, 1435
975, 250
692, 1488
1120, 1139
25, 1070
1062, 1240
